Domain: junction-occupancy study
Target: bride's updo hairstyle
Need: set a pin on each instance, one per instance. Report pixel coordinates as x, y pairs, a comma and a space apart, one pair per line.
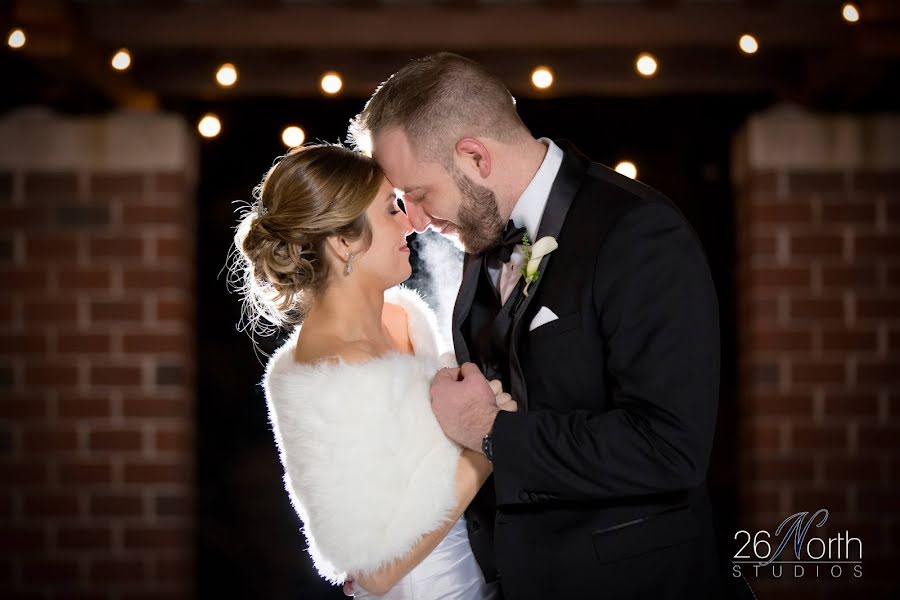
279, 260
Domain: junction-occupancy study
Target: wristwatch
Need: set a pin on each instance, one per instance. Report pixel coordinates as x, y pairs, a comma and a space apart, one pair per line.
487, 445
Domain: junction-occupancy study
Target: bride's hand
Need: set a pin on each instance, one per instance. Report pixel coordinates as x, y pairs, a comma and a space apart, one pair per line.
504, 400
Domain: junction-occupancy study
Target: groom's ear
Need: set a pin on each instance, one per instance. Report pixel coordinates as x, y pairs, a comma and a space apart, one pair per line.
474, 156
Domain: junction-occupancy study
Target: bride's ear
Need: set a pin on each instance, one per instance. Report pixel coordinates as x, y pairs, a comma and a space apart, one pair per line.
339, 247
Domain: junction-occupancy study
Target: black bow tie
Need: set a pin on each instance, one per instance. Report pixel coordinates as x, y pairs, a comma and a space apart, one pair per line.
512, 235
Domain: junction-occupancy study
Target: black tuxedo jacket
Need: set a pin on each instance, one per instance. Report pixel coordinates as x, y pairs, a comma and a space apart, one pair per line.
599, 479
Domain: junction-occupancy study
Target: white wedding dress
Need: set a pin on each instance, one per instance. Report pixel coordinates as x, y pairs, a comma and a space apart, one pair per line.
367, 467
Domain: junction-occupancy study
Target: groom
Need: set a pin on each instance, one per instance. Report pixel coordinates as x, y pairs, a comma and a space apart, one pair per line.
611, 349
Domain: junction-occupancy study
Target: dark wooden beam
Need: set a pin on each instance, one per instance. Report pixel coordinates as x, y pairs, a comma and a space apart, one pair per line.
491, 27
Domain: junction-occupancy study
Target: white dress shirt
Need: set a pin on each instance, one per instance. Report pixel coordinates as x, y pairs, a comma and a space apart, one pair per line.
527, 212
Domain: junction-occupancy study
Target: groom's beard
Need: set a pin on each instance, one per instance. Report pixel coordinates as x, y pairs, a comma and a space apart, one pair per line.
480, 226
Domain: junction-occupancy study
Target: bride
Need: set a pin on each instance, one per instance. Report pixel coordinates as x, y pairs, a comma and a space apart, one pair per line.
378, 486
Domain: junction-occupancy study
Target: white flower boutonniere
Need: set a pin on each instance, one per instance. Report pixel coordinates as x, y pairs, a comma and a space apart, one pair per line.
533, 255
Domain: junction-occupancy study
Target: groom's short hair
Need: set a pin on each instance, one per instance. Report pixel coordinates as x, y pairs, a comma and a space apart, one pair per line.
437, 100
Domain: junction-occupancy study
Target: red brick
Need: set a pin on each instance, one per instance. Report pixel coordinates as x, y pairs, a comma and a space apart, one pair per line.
32, 408
153, 279
814, 245
44, 188
77, 407
138, 407
762, 246
18, 344
772, 213
152, 215
124, 186
806, 182
157, 472
772, 338
878, 372
779, 277
116, 247
819, 437
155, 343
116, 440
80, 473
847, 212
156, 538
171, 248
878, 308
24, 473
84, 279
756, 500
84, 538
817, 308
30, 279
851, 277
84, 343
115, 375
175, 569
19, 218
24, 537
790, 469
49, 439
116, 505
878, 437
877, 246
780, 404
169, 183
762, 437
848, 340
48, 374
41, 505
54, 247
47, 571
109, 571
879, 502
843, 470
42, 311
116, 311
850, 404
173, 441
171, 310
818, 372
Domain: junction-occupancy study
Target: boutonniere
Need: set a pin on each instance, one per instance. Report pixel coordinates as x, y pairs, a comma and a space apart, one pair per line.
533, 255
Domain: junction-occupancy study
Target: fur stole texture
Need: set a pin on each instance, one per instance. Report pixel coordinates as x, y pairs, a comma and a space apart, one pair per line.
367, 467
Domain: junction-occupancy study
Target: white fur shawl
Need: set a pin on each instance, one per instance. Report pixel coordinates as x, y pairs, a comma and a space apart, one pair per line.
367, 467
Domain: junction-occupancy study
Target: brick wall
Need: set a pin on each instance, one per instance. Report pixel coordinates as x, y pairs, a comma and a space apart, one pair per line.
818, 279
96, 359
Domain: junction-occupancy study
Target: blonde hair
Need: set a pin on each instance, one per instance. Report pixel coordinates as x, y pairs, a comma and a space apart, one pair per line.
278, 260
437, 100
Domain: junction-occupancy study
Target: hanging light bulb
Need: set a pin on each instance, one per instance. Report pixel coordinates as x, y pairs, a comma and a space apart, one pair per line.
227, 75
331, 83
293, 136
627, 168
209, 126
748, 44
850, 12
646, 64
16, 39
542, 78
121, 60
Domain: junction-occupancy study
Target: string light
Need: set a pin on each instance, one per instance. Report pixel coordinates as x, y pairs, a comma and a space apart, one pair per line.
227, 75
121, 60
627, 168
209, 126
293, 136
542, 78
850, 12
16, 39
646, 64
331, 83
748, 44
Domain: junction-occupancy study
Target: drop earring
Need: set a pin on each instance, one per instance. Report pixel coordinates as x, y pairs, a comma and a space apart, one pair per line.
349, 268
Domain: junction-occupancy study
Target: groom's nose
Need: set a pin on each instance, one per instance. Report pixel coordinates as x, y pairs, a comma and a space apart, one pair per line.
417, 217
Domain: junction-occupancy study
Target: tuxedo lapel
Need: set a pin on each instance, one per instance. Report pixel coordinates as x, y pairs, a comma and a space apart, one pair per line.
471, 268
565, 186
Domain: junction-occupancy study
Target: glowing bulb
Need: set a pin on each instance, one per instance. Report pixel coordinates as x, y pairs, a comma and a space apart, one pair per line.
646, 64
16, 39
209, 126
850, 12
227, 75
331, 83
627, 168
121, 60
542, 78
748, 44
293, 136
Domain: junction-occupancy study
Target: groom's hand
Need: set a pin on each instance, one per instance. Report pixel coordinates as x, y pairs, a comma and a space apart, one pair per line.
465, 404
